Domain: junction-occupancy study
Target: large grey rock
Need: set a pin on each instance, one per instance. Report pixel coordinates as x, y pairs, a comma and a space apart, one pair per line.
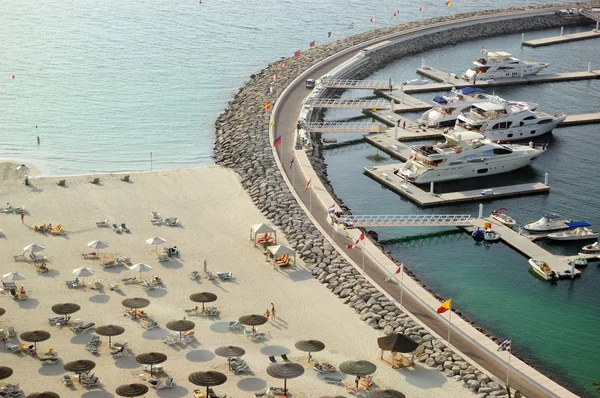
473, 384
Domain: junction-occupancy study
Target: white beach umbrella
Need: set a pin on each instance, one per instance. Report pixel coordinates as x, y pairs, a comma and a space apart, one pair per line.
141, 268
13, 276
156, 241
98, 244
33, 248
22, 167
83, 272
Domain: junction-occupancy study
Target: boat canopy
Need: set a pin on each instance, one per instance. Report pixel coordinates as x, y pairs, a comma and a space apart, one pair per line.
440, 100
551, 216
471, 90
577, 224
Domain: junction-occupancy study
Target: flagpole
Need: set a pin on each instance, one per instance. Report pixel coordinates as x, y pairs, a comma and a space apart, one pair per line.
508, 366
310, 199
363, 250
401, 283
449, 321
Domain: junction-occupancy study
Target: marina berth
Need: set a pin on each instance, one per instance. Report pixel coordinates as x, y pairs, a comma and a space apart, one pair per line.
465, 155
501, 65
548, 223
542, 270
501, 216
578, 230
507, 121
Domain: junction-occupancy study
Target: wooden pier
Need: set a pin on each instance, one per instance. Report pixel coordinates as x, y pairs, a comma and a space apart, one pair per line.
386, 177
559, 264
562, 39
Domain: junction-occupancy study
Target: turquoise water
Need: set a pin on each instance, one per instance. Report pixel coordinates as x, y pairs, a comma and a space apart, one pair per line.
553, 326
109, 82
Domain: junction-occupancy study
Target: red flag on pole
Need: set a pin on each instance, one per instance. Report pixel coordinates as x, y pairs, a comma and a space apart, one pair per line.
297, 53
307, 186
312, 44
361, 237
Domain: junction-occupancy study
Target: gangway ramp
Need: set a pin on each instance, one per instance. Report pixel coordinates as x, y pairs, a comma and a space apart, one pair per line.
347, 103
358, 84
339, 127
415, 220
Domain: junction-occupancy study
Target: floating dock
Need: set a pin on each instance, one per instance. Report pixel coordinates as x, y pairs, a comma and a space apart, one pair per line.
386, 177
562, 39
559, 264
410, 103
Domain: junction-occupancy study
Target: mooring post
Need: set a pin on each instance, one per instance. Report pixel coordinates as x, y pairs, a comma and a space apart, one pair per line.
522, 38
589, 66
396, 132
431, 187
572, 269
422, 62
480, 210
561, 30
402, 93
392, 106
545, 178
597, 26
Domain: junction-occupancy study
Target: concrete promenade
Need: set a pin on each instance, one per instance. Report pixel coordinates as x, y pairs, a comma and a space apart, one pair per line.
420, 304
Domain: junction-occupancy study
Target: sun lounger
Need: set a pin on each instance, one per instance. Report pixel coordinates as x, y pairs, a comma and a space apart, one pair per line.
157, 221
11, 332
225, 276
95, 181
154, 214
129, 279
8, 285
214, 311
285, 358
61, 183
59, 319
72, 284
13, 347
155, 368
104, 223
116, 228
210, 275
328, 367
272, 359
172, 221
235, 326
148, 324
114, 287
148, 285
161, 383
163, 257
49, 360
67, 381
125, 229
194, 275
84, 328
125, 178
119, 351
332, 380
170, 340
190, 311
122, 260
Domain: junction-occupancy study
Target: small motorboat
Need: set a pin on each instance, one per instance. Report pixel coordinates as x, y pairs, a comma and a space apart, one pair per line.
501, 216
542, 269
578, 231
579, 262
548, 223
490, 236
478, 234
416, 82
593, 248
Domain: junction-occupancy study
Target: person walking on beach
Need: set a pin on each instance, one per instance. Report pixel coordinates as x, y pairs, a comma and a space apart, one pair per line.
273, 310
38, 138
4, 341
267, 314
22, 217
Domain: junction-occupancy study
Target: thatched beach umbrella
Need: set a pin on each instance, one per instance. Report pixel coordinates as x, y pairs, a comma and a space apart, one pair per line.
45, 394
253, 320
181, 325
151, 358
230, 352
65, 309
204, 297
2, 311
397, 343
286, 370
35, 337
5, 372
207, 379
132, 390
386, 393
110, 330
135, 303
357, 368
310, 346
80, 366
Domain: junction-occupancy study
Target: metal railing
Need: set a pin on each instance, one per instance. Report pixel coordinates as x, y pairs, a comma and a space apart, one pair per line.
358, 84
337, 127
421, 220
347, 103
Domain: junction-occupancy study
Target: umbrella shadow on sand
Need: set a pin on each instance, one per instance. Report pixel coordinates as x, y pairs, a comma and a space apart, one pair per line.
174, 392
423, 378
127, 362
28, 304
99, 298
274, 350
51, 273
155, 334
252, 384
51, 370
200, 356
220, 327
157, 293
97, 394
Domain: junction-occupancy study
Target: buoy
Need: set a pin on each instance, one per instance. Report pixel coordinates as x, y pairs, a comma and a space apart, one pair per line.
13, 75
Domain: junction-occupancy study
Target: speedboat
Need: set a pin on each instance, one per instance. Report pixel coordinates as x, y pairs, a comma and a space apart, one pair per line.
579, 262
577, 231
478, 234
465, 155
491, 236
542, 269
501, 65
416, 82
509, 121
593, 248
548, 223
447, 108
502, 217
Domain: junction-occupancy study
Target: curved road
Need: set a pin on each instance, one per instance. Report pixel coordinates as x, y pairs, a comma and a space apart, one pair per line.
286, 115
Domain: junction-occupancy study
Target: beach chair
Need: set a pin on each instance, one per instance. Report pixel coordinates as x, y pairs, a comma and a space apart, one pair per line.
190, 311
83, 328
123, 260
8, 285
328, 367
129, 279
235, 326
149, 285
225, 276
214, 311
45, 360
116, 228
241, 368
148, 324
172, 221
61, 183
125, 178
163, 257
91, 383
161, 383
104, 223
67, 381
257, 336
95, 181
125, 229
27, 348
114, 287
72, 284
157, 221
272, 359
169, 340
89, 256
13, 347
285, 358
210, 275
194, 275
119, 351
154, 214
155, 368
11, 332
332, 380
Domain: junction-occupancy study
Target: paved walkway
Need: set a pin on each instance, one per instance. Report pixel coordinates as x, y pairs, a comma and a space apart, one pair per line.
419, 303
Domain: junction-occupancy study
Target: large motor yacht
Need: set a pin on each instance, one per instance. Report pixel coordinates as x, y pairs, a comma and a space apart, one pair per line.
447, 108
509, 121
501, 65
465, 155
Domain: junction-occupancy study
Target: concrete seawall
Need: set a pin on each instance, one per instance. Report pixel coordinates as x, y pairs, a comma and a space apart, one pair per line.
243, 144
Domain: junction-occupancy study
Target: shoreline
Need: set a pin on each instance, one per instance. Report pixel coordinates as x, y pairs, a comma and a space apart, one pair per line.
231, 157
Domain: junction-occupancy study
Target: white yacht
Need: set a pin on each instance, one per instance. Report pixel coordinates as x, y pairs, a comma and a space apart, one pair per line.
542, 269
447, 108
577, 231
501, 65
506, 122
548, 223
465, 155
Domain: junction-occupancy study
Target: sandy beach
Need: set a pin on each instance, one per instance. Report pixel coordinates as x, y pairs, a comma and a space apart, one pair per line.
215, 216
